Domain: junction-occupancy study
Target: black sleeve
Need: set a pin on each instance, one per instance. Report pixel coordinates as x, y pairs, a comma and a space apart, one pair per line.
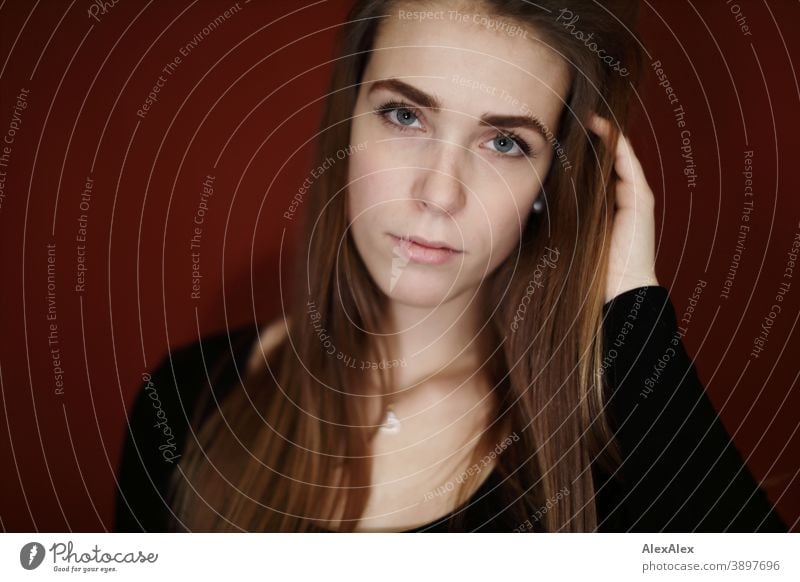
681, 471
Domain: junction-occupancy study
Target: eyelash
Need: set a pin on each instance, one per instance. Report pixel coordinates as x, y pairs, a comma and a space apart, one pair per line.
390, 106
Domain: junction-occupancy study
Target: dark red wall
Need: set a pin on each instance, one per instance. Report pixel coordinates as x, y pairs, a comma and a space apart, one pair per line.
240, 106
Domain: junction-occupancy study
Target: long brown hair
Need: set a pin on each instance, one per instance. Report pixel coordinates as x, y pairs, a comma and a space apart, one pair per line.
293, 444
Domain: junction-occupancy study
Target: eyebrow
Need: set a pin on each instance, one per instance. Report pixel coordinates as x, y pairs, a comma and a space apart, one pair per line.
430, 102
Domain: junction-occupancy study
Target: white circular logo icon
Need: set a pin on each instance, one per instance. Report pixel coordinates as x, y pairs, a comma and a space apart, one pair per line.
31, 555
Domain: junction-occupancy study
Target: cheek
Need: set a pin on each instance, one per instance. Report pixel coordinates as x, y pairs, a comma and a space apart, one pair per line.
506, 238
360, 175
373, 186
360, 189
502, 224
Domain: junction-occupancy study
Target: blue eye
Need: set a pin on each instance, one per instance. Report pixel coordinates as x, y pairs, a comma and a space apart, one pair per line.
405, 116
505, 143
397, 114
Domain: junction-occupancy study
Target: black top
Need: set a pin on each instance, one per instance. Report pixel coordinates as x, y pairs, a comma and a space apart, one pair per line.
681, 471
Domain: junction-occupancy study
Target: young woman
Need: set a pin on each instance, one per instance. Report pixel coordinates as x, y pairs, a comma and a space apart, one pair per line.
475, 331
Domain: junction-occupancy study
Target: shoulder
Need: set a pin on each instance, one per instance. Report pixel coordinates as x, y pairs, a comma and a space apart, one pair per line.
643, 308
270, 338
176, 381
160, 417
649, 294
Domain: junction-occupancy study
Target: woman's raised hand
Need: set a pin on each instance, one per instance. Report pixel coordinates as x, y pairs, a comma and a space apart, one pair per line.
631, 261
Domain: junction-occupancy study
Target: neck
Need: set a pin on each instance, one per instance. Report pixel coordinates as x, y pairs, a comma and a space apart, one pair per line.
434, 342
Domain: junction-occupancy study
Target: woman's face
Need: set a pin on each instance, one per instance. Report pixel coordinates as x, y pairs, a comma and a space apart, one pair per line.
445, 146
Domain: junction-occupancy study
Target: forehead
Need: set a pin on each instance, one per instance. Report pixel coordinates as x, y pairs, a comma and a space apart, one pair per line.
471, 62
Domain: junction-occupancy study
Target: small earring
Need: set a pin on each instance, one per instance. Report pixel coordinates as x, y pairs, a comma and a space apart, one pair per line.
538, 205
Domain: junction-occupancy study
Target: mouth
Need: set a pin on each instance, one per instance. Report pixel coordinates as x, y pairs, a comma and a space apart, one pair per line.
420, 250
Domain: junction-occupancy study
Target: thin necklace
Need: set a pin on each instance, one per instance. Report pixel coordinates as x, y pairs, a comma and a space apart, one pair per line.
391, 424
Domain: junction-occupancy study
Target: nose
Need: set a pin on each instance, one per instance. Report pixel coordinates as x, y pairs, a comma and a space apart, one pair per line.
438, 187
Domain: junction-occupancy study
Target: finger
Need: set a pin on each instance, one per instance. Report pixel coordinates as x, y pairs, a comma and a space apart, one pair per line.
627, 164
599, 125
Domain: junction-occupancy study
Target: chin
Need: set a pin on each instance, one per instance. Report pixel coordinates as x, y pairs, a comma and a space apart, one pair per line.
415, 289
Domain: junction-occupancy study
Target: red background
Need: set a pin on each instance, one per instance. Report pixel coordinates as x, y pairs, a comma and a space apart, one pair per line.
242, 106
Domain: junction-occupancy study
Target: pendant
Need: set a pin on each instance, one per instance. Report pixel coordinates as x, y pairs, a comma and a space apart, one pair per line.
392, 424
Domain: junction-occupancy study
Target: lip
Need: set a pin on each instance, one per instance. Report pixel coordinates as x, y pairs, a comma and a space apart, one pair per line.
421, 250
